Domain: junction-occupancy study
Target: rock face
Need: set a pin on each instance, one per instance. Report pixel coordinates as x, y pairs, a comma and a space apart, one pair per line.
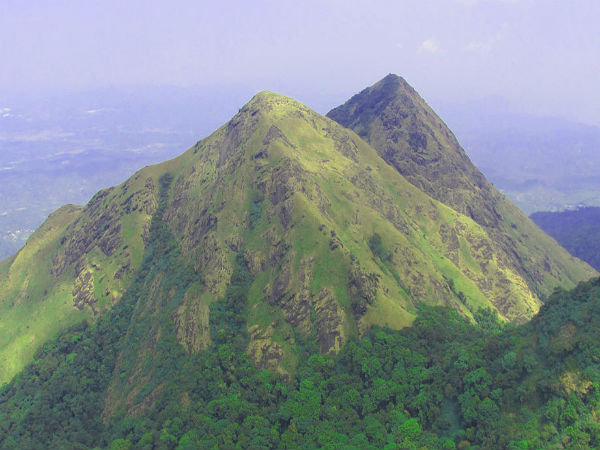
334, 238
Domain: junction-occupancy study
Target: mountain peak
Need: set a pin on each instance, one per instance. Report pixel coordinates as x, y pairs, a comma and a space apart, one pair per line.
262, 112
268, 97
267, 101
392, 80
390, 88
409, 135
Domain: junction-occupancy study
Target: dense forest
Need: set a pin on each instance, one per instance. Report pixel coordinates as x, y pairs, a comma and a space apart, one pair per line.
444, 383
576, 230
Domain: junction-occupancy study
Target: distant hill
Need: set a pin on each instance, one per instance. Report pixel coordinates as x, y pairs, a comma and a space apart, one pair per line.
578, 231
540, 163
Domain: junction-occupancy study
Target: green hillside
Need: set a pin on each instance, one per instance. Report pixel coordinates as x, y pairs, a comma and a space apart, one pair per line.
74, 267
409, 135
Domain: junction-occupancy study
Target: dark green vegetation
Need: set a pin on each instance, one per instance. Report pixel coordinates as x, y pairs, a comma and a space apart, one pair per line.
443, 383
578, 231
278, 285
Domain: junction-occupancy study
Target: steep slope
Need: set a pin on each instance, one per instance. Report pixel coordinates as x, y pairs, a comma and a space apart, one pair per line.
407, 133
331, 239
34, 306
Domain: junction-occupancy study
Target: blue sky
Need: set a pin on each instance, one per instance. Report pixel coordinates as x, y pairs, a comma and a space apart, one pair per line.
543, 56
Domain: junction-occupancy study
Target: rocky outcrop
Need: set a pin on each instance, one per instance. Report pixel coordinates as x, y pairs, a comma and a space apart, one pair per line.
83, 290
192, 324
263, 350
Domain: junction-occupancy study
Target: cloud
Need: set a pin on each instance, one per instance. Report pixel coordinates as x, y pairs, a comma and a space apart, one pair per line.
99, 110
78, 151
429, 45
486, 45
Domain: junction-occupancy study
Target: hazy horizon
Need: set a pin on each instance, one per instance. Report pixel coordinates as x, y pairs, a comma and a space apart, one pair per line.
540, 56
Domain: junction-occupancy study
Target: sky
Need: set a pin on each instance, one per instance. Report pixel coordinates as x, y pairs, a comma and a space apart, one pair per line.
541, 56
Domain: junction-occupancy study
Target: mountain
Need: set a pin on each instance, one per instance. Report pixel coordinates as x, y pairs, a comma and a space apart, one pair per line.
407, 133
337, 239
281, 238
576, 230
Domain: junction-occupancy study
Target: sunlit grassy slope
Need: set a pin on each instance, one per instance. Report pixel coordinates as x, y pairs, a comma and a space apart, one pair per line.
335, 238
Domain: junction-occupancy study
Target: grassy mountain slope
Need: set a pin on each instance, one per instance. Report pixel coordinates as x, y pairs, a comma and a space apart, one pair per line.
334, 238
26, 322
407, 133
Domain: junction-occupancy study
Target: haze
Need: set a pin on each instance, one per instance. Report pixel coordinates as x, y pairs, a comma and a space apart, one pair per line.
539, 55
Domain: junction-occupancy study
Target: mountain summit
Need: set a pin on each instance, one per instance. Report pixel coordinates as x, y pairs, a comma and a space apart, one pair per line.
283, 226
409, 135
